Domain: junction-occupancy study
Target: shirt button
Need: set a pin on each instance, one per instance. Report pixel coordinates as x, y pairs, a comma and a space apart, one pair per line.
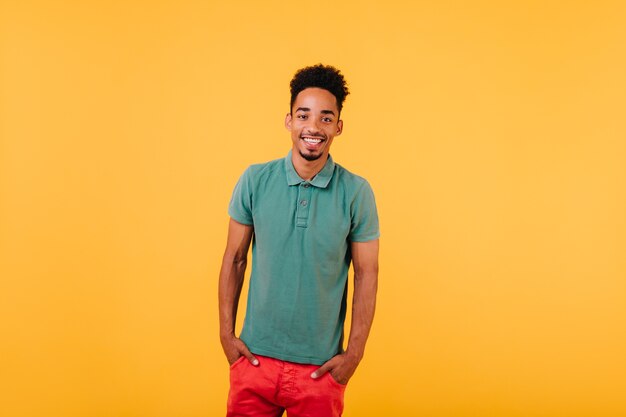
306, 185
303, 203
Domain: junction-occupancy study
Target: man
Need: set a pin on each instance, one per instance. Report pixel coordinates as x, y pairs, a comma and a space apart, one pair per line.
307, 218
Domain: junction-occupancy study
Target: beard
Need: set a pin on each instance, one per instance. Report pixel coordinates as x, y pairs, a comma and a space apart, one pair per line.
311, 157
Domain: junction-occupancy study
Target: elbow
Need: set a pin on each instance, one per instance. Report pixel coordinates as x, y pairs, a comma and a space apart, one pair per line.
236, 259
369, 268
240, 263
369, 273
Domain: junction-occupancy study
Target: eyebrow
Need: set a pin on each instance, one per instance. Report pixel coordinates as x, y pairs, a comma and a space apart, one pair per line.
308, 109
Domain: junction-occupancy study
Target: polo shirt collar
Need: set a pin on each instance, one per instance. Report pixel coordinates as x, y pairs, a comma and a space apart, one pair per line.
320, 180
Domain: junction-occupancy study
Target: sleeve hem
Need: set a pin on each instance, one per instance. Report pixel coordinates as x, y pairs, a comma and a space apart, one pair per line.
240, 219
366, 238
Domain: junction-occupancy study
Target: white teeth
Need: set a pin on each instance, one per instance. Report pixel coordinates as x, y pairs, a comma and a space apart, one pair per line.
307, 140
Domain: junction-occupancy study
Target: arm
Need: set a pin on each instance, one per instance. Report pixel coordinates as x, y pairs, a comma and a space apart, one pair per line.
365, 262
230, 284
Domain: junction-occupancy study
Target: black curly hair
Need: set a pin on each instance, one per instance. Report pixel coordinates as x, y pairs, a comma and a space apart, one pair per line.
321, 76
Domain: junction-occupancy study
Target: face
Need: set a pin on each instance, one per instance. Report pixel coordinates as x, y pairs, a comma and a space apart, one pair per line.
313, 123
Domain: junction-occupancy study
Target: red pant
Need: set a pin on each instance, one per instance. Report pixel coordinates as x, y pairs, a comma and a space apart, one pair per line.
272, 387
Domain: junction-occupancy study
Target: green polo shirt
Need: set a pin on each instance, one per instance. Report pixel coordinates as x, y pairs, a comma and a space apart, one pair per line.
300, 255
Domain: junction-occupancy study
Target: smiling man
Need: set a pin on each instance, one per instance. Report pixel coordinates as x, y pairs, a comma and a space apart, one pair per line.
308, 219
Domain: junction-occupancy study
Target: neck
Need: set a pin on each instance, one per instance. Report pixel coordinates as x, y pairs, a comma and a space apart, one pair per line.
307, 169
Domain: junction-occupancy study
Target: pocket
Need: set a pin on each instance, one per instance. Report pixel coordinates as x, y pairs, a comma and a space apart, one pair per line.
237, 362
334, 381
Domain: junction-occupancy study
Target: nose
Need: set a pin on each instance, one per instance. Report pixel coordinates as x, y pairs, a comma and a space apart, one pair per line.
313, 126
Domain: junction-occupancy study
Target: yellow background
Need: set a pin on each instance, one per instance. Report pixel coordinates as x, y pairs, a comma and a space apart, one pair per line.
493, 135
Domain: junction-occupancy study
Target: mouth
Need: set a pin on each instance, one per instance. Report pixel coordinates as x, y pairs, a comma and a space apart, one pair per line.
313, 142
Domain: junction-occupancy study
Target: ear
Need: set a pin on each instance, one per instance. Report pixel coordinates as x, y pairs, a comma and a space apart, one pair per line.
288, 122
339, 127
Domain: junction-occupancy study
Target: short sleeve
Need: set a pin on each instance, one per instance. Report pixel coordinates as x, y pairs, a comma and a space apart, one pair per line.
240, 207
364, 222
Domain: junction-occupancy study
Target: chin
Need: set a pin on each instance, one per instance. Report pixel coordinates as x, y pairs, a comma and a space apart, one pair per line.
311, 157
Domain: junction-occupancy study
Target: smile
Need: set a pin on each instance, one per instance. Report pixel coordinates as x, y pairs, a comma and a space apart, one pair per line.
312, 141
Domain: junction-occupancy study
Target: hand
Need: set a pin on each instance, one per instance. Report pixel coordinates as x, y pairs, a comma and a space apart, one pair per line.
234, 348
341, 368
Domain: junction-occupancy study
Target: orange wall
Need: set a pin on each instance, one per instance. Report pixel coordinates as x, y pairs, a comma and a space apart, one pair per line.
492, 133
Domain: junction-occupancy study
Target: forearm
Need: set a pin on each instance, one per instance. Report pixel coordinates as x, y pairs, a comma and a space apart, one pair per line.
363, 308
230, 285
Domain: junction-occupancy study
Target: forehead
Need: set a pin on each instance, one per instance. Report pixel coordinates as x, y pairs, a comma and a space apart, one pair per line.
316, 99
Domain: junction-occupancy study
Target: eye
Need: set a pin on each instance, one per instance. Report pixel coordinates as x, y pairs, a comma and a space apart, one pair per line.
301, 116
327, 119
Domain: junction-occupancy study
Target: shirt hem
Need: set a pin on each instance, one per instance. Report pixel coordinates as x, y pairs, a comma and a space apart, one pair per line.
289, 358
